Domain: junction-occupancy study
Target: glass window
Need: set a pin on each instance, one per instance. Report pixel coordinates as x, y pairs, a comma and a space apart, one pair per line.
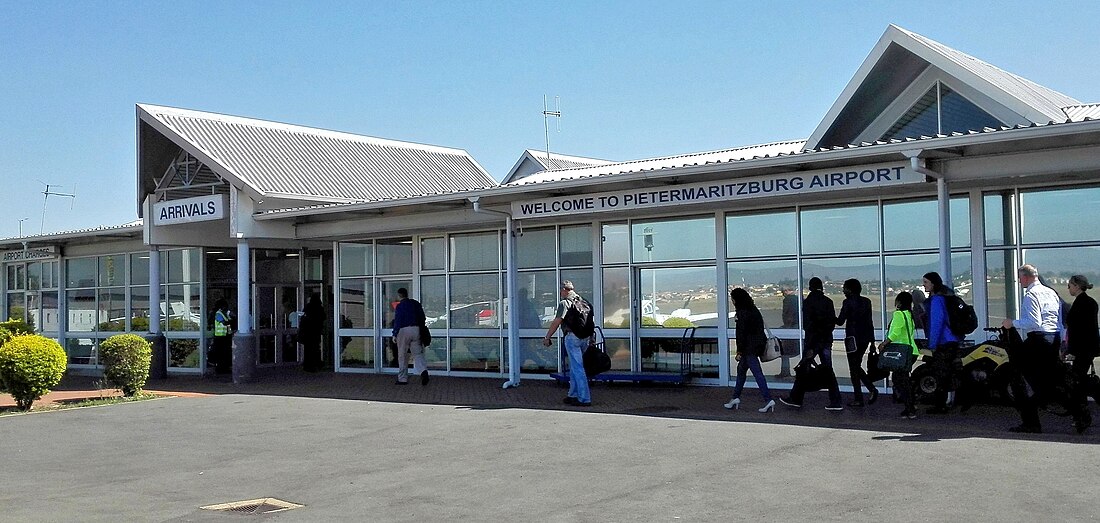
914, 224
685, 297
537, 298
274, 266
537, 359
582, 283
432, 257
840, 229
616, 243
833, 272
395, 256
475, 301
139, 269
11, 281
616, 298
356, 259
356, 310
773, 286
671, 240
33, 309
1059, 216
81, 351
535, 248
314, 267
184, 308
49, 319
475, 354
356, 352
1000, 268
184, 266
221, 267
112, 309
49, 275
139, 309
183, 353
34, 276
619, 351
471, 252
1057, 265
769, 234
905, 272
112, 270
576, 245
82, 310
80, 272
433, 297
998, 212
17, 306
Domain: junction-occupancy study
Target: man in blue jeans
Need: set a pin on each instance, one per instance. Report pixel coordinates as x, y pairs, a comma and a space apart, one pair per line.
579, 394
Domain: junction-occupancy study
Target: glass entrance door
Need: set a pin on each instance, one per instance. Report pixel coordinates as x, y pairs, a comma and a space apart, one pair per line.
277, 308
386, 305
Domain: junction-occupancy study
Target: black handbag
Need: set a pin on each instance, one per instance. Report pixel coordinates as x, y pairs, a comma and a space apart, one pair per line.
894, 356
595, 361
425, 336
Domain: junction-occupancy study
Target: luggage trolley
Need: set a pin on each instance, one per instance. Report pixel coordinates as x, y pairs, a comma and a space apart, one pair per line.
678, 376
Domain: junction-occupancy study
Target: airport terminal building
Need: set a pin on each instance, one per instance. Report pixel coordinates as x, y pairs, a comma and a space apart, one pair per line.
930, 159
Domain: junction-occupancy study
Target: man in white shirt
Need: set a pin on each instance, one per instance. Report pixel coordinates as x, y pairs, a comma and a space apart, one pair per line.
1038, 361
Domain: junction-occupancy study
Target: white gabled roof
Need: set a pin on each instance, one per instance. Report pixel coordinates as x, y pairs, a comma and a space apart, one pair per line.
1078, 113
667, 162
899, 56
533, 161
133, 228
276, 160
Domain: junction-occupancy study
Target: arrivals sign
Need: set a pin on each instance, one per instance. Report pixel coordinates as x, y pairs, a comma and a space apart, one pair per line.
31, 253
199, 209
721, 190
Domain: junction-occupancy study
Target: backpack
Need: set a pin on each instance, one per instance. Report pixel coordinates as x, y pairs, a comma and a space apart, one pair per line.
578, 318
961, 317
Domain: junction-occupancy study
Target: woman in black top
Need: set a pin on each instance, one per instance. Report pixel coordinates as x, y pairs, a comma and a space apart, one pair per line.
1082, 334
751, 341
855, 315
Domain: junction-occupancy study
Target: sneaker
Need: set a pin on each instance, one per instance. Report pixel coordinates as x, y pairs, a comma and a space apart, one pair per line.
834, 407
423, 378
789, 403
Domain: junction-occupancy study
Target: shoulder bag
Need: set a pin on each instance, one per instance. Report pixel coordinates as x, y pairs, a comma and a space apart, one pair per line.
894, 356
773, 348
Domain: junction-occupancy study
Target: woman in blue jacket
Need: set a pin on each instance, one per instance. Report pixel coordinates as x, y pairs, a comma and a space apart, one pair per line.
943, 343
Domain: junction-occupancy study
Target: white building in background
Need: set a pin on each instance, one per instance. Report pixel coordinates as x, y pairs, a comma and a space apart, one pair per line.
930, 159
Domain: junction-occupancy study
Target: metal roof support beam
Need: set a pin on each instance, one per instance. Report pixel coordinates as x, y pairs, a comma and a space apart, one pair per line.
514, 360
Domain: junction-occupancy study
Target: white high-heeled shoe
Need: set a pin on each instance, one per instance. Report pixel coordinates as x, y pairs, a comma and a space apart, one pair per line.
767, 408
733, 403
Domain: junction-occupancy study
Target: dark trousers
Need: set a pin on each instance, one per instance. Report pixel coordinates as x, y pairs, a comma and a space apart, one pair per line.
1040, 376
223, 354
945, 366
311, 354
903, 384
858, 375
821, 377
1080, 372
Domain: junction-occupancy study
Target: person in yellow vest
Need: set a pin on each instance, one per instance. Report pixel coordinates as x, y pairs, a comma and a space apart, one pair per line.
223, 338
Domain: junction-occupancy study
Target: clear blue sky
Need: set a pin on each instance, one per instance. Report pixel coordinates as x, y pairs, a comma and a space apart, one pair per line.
636, 79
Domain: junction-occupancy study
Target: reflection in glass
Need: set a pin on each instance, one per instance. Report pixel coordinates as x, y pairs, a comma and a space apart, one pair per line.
537, 298
536, 358
34, 276
274, 266
433, 297
356, 351
139, 268
768, 282
139, 308
112, 270
672, 240
356, 259
665, 355
833, 272
582, 283
1059, 215
17, 306
395, 256
768, 234
356, 310
478, 251
475, 354
997, 209
112, 309
80, 272
475, 301
184, 308
431, 254
183, 353
81, 310
576, 245
616, 243
679, 297
81, 351
535, 248
1057, 265
1000, 277
184, 266
905, 272
616, 298
914, 224
840, 229
619, 351
265, 348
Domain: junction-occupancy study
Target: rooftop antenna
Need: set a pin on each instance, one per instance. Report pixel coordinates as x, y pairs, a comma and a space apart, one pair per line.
47, 193
546, 114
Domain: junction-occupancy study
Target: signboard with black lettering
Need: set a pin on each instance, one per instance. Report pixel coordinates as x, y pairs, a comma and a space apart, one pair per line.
31, 253
188, 210
721, 190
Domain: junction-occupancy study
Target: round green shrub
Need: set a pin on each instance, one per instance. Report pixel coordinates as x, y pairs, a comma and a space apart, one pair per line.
678, 323
30, 365
16, 327
5, 335
126, 359
648, 321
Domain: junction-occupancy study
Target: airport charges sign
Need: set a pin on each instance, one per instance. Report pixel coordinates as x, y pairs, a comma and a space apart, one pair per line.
187, 210
721, 190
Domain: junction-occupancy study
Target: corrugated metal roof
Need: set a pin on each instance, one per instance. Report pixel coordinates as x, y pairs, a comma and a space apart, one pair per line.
653, 164
130, 227
289, 161
1043, 99
1077, 113
562, 161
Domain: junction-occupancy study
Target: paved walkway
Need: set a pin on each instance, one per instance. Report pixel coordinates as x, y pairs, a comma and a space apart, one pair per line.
630, 399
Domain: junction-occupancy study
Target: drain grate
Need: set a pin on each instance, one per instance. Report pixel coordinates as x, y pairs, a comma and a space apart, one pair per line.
254, 506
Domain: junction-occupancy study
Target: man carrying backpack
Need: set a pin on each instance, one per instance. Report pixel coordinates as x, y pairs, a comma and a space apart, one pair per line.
1038, 361
574, 316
